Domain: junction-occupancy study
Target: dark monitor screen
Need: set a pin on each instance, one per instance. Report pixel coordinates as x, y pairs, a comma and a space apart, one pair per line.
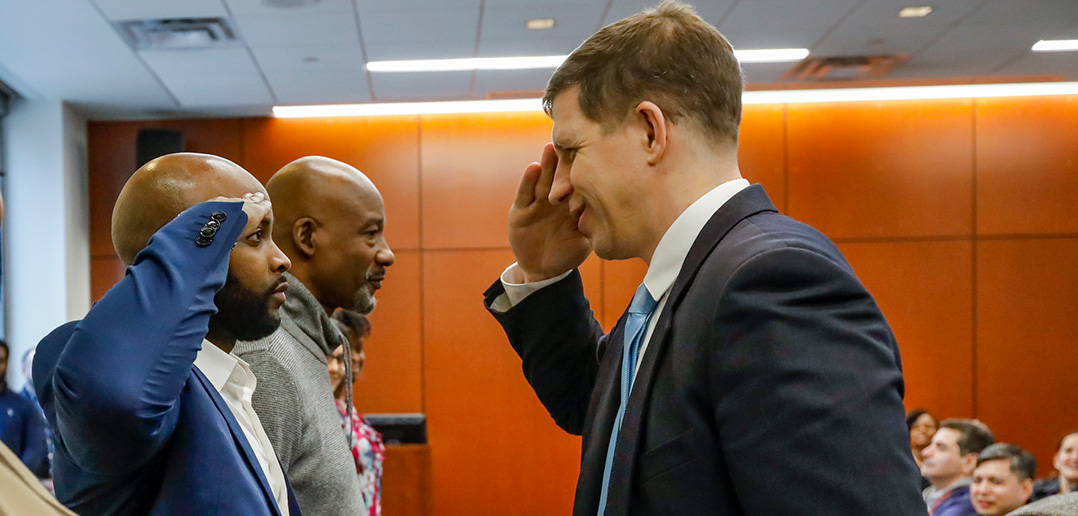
400, 428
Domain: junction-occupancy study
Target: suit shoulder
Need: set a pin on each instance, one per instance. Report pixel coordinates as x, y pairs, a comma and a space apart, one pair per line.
48, 350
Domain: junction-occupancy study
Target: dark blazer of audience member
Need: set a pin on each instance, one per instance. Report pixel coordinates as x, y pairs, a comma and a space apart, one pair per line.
1003, 480
22, 428
949, 463
1066, 463
142, 424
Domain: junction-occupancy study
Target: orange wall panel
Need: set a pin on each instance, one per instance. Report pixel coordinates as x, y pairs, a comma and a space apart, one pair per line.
495, 449
392, 379
925, 291
1027, 298
1027, 166
761, 152
471, 168
621, 278
882, 169
383, 148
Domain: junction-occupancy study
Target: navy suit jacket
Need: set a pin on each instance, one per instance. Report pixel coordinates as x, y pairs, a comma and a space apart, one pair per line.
139, 430
771, 384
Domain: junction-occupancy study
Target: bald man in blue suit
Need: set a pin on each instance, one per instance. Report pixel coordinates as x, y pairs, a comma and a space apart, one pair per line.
150, 410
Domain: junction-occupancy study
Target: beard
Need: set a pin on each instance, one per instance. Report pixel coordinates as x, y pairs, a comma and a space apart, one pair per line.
242, 314
364, 301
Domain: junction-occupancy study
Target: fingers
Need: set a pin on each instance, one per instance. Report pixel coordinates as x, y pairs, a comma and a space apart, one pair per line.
549, 165
526, 190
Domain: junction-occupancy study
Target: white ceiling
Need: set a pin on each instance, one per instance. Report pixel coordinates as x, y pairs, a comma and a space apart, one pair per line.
68, 49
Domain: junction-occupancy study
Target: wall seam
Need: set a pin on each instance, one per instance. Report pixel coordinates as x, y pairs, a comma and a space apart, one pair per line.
422, 270
973, 264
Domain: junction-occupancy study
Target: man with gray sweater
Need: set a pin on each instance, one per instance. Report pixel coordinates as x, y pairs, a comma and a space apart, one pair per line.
329, 221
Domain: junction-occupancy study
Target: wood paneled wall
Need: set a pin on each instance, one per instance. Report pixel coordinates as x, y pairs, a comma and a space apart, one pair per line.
960, 216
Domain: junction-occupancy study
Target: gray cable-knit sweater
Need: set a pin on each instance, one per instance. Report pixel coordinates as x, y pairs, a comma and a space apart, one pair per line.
294, 401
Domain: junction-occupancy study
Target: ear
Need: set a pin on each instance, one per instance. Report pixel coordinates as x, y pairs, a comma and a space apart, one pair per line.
1027, 488
655, 129
363, 360
969, 463
303, 235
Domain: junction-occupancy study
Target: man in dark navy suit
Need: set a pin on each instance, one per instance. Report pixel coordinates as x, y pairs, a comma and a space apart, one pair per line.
151, 412
752, 374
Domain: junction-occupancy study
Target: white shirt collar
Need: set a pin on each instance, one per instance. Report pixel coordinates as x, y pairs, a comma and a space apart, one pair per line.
674, 246
219, 366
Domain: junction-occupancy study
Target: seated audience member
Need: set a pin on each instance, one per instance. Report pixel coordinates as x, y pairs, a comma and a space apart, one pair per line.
22, 428
28, 393
1062, 505
151, 412
1066, 464
20, 492
1003, 480
922, 426
948, 465
345, 365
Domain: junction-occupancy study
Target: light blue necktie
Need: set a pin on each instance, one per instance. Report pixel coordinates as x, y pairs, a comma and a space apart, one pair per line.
636, 325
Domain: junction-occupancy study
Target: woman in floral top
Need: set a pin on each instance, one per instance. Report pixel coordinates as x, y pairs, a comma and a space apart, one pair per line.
365, 442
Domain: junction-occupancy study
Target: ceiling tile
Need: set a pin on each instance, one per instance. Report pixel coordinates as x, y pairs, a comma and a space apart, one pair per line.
65, 50
504, 81
306, 29
421, 86
504, 33
782, 23
257, 7
876, 28
366, 6
393, 51
157, 9
209, 77
426, 25
319, 85
710, 10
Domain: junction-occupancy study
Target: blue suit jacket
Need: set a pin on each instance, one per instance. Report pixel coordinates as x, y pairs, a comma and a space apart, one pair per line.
139, 430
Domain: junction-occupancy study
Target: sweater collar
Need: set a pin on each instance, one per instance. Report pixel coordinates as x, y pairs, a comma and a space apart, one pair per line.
304, 310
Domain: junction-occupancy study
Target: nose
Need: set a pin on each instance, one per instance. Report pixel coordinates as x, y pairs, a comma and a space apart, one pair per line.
561, 188
385, 257
279, 262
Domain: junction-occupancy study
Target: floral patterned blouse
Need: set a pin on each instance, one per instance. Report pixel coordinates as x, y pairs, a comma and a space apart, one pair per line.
369, 454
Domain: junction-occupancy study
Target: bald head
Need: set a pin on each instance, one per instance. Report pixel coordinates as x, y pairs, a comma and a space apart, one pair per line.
166, 186
330, 219
319, 188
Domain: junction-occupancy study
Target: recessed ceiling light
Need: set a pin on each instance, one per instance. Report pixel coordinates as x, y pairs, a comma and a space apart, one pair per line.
956, 91
1056, 45
524, 62
915, 11
540, 24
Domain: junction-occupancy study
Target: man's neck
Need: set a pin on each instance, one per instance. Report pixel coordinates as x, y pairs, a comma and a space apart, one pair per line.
224, 343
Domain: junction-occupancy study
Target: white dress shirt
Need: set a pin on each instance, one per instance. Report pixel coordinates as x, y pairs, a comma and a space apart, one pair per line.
665, 264
235, 382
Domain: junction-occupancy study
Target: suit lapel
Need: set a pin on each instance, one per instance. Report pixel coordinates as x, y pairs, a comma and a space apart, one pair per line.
746, 203
240, 438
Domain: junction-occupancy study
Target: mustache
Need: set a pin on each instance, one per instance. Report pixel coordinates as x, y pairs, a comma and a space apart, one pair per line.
376, 275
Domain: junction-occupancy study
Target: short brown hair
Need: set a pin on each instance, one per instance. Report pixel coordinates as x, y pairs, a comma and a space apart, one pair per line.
974, 437
667, 55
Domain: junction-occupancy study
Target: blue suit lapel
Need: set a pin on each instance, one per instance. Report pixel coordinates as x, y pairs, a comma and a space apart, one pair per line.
241, 440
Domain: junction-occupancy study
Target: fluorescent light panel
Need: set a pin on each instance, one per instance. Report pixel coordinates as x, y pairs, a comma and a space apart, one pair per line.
915, 11
524, 62
1056, 45
749, 97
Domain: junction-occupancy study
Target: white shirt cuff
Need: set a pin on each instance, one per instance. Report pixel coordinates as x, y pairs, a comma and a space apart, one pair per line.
516, 289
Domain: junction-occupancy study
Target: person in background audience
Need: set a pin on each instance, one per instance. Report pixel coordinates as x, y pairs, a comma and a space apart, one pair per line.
330, 222
1066, 463
20, 492
22, 428
1003, 480
949, 462
345, 366
28, 393
923, 426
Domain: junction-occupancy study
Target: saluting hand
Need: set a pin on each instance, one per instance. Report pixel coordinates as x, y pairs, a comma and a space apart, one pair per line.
544, 236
